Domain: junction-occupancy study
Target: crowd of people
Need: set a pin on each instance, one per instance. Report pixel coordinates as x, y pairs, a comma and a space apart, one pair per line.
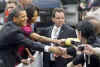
60, 44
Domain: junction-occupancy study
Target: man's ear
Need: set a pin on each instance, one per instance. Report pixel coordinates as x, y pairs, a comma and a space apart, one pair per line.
14, 19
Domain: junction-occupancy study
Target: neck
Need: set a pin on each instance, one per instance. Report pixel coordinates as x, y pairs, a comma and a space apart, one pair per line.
21, 24
58, 26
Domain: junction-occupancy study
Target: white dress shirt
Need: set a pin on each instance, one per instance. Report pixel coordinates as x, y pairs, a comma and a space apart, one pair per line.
54, 35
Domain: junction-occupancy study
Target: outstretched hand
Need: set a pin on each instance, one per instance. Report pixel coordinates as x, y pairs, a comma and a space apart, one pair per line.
89, 50
59, 51
25, 61
56, 50
61, 42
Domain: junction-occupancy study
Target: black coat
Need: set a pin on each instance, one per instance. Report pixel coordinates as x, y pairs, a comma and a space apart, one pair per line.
94, 60
10, 39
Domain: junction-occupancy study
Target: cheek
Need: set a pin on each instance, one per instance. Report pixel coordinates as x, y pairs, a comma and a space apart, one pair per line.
57, 22
62, 20
22, 20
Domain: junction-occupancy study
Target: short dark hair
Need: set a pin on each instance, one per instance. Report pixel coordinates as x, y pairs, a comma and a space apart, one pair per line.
30, 9
12, 1
87, 30
15, 13
57, 10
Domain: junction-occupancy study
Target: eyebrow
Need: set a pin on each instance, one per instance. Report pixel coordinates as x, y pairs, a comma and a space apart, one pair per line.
10, 7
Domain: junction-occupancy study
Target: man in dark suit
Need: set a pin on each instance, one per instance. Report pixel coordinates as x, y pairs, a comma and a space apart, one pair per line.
59, 31
11, 37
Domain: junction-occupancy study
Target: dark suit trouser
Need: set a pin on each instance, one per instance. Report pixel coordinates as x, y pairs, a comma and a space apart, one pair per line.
6, 62
47, 62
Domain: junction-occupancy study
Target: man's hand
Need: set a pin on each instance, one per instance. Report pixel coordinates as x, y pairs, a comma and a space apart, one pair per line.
79, 65
31, 59
61, 42
56, 50
65, 55
89, 50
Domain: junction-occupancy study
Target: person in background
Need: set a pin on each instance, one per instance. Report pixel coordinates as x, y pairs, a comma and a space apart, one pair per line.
10, 6
22, 3
2, 9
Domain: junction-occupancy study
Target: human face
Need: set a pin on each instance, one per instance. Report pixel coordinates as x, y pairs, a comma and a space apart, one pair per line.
28, 1
24, 2
11, 7
21, 19
80, 37
34, 18
58, 19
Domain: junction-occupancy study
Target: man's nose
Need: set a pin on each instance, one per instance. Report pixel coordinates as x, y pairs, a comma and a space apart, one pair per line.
61, 20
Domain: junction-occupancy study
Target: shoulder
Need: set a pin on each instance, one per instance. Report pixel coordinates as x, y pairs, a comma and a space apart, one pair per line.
69, 30
97, 42
10, 28
67, 27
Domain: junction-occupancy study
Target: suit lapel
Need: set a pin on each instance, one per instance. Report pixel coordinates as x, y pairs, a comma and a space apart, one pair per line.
50, 31
61, 31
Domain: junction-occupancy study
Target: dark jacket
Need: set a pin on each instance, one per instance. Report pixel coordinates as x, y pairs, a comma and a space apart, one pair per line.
94, 60
10, 39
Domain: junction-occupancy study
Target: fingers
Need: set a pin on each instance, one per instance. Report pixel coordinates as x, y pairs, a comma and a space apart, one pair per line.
88, 50
25, 61
79, 65
59, 51
61, 42
56, 50
31, 59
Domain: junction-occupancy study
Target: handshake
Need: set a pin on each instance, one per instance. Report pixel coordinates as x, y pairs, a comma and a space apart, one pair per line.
59, 51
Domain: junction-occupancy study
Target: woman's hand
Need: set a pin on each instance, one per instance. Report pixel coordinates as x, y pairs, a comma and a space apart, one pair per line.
25, 61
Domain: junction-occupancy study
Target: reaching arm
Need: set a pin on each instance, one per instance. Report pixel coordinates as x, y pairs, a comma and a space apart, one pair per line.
36, 36
21, 39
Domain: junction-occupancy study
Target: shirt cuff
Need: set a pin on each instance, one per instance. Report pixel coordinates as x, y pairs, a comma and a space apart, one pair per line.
46, 48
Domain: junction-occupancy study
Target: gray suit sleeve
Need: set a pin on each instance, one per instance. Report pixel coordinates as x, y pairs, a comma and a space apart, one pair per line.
21, 39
